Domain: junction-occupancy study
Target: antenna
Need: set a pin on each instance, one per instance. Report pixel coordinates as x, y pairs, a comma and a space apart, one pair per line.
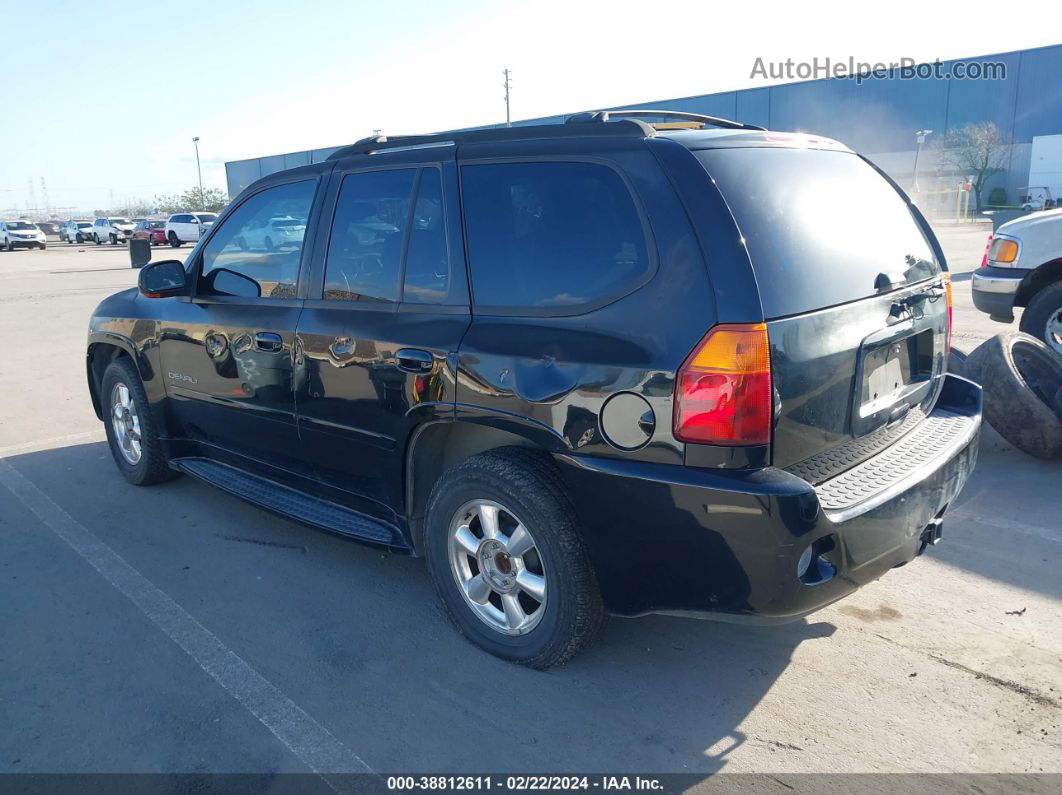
508, 84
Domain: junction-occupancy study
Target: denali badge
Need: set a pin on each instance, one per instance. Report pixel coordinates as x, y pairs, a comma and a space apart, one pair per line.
182, 377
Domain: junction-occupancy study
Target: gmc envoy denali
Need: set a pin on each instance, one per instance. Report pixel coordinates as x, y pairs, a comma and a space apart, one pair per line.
643, 361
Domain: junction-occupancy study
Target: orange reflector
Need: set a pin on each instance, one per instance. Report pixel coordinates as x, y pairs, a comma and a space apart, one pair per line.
947, 293
1003, 250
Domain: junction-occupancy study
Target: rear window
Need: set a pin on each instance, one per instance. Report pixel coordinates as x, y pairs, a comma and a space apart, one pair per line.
822, 228
551, 237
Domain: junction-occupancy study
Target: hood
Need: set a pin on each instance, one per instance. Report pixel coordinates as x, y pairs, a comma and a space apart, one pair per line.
1033, 219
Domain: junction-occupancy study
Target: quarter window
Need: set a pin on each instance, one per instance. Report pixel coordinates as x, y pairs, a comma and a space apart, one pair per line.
550, 236
257, 250
368, 231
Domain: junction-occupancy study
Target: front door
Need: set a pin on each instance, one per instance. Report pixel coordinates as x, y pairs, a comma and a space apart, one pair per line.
228, 356
379, 334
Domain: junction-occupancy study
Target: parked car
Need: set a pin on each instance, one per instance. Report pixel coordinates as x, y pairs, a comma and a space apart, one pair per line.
115, 230
151, 229
273, 233
20, 234
188, 227
581, 368
50, 229
1023, 267
75, 231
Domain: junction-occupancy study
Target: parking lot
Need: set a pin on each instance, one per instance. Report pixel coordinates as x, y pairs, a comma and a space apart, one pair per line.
951, 664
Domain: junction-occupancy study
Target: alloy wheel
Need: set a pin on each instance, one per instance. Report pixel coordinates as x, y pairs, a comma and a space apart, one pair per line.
126, 423
497, 567
1053, 332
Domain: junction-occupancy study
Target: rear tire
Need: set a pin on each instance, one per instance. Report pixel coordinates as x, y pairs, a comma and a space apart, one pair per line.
174, 241
1042, 317
97, 239
144, 462
1021, 377
521, 489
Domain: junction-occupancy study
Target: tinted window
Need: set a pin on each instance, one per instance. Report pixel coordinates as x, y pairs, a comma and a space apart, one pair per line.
247, 257
368, 232
550, 234
822, 228
427, 260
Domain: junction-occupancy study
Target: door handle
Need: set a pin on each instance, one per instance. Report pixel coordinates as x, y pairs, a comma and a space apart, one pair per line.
413, 360
267, 341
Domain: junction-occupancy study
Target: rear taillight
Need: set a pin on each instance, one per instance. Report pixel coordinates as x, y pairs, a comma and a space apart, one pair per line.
988, 246
947, 294
723, 389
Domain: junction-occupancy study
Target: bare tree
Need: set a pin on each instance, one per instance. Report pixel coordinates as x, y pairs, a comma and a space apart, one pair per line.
979, 150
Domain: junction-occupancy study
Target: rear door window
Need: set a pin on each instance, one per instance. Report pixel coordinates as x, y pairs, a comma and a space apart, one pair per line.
427, 279
551, 237
364, 259
822, 227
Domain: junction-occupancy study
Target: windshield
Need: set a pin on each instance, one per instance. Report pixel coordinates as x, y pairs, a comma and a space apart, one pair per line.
157, 224
206, 217
822, 227
19, 225
83, 224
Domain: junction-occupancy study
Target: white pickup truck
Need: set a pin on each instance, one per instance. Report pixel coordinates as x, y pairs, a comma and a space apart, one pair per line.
1023, 267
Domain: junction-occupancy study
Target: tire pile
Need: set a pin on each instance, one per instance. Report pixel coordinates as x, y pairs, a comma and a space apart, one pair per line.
1022, 382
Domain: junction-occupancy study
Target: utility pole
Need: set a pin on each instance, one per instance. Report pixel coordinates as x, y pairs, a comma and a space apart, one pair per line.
920, 137
198, 168
508, 85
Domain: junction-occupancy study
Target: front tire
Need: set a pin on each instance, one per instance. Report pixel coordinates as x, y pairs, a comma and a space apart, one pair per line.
80, 238
174, 241
130, 426
1043, 317
507, 559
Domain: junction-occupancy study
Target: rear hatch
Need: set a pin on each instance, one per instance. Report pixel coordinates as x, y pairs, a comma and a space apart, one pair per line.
853, 296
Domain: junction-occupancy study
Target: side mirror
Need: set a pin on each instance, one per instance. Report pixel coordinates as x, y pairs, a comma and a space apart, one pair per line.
163, 279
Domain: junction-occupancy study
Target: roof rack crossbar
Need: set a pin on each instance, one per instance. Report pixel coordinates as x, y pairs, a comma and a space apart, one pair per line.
606, 115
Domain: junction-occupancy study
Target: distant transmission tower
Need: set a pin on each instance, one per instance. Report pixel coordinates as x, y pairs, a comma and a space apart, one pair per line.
32, 203
44, 199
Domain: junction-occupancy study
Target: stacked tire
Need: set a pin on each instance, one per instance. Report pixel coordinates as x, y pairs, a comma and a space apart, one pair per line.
1022, 382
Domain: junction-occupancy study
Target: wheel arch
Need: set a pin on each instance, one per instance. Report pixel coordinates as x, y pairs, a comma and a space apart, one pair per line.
1043, 276
104, 348
438, 446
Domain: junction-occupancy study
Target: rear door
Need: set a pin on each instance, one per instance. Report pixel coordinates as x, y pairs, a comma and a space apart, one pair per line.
378, 338
853, 293
228, 352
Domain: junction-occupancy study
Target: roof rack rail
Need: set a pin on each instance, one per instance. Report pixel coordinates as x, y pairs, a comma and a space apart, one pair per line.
606, 115
391, 143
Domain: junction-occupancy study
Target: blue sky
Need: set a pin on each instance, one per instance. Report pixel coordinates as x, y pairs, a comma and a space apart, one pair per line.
103, 98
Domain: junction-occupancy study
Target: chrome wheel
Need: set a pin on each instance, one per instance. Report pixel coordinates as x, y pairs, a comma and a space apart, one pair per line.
1053, 332
126, 423
497, 567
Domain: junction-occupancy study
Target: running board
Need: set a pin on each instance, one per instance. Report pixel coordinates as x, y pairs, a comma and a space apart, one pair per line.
291, 503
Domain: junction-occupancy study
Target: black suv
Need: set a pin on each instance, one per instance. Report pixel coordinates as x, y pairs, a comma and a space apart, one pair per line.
682, 365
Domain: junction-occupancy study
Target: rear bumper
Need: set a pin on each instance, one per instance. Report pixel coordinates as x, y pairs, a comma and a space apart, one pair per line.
674, 539
994, 289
